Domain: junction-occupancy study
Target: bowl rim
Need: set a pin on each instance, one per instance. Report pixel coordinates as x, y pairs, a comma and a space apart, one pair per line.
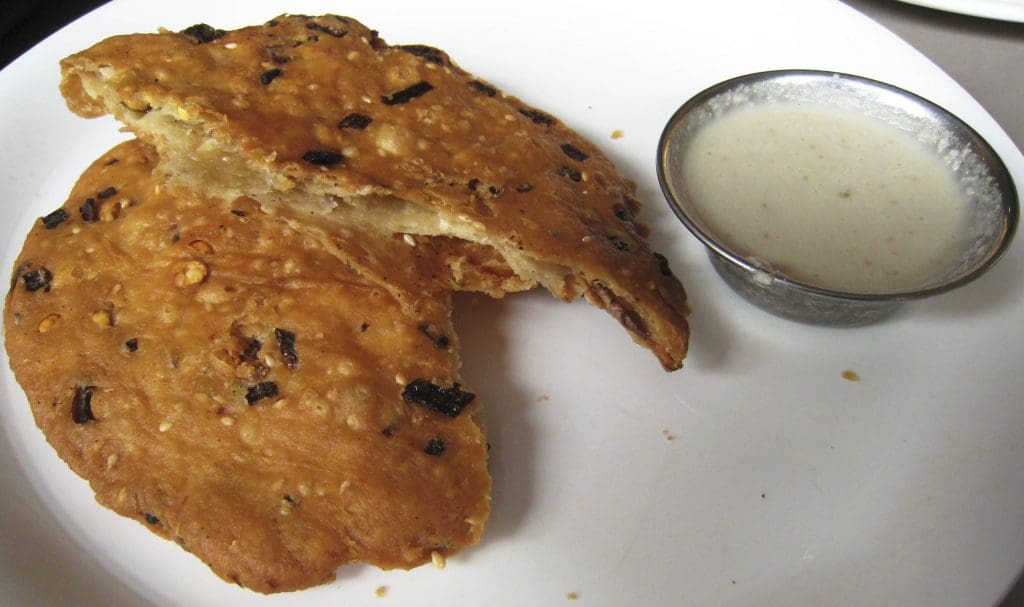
1009, 199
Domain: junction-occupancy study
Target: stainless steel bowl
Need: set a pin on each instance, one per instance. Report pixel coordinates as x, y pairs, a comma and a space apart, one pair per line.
992, 197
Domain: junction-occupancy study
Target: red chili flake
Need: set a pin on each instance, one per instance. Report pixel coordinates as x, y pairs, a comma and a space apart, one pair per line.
473, 184
280, 59
573, 152
435, 447
286, 339
537, 116
446, 401
89, 211
355, 121
389, 431
324, 158
252, 348
327, 29
615, 306
260, 391
622, 213
203, 33
364, 326
37, 279
523, 188
427, 53
110, 162
483, 88
151, 519
132, 344
238, 212
663, 264
440, 340
106, 193
54, 219
570, 173
376, 42
268, 76
407, 94
81, 405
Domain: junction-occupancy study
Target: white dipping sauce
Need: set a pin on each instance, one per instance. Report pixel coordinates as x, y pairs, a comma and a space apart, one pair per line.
826, 196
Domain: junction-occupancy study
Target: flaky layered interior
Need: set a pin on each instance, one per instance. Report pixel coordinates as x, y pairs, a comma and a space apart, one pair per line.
196, 158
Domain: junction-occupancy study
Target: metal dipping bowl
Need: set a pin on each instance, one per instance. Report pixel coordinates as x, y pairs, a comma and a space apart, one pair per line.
992, 197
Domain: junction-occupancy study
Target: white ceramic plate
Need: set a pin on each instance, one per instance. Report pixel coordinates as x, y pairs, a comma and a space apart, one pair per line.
756, 475
1005, 10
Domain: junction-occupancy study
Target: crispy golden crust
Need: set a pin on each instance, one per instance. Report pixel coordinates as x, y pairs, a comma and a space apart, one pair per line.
174, 354
321, 107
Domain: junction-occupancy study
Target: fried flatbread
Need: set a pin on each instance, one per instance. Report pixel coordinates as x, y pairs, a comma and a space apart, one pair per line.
320, 115
224, 380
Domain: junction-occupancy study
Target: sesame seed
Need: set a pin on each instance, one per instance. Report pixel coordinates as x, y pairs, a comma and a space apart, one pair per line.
345, 484
409, 240
227, 420
48, 322
231, 46
111, 460
437, 559
165, 426
382, 591
102, 318
190, 273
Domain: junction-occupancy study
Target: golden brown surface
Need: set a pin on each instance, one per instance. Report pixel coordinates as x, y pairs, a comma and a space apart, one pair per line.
321, 109
151, 335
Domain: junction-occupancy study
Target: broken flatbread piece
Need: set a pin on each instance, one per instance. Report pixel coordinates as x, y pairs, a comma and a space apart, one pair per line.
225, 381
320, 115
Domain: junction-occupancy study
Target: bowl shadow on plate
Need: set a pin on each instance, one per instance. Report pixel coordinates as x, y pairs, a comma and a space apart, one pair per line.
999, 287
487, 369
